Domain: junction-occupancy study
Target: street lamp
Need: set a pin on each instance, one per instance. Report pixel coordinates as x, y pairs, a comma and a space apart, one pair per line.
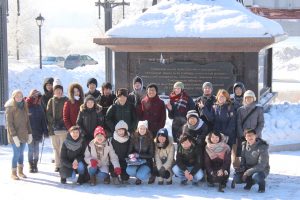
39, 21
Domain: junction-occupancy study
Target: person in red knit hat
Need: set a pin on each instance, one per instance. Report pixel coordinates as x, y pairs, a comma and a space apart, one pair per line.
97, 155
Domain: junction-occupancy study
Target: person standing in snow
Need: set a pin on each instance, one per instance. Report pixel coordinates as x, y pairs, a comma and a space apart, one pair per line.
249, 115
56, 126
38, 125
254, 166
107, 97
48, 92
217, 160
141, 148
120, 142
178, 106
206, 102
153, 110
138, 93
92, 86
18, 131
90, 116
72, 106
72, 157
164, 156
98, 154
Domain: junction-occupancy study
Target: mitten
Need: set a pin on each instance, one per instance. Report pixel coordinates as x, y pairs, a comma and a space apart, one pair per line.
29, 139
94, 163
16, 141
118, 171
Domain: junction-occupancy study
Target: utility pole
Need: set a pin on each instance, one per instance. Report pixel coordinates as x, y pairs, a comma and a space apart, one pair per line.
3, 67
108, 5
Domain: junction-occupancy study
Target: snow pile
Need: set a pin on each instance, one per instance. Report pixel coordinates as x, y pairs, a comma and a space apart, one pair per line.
282, 124
196, 18
27, 76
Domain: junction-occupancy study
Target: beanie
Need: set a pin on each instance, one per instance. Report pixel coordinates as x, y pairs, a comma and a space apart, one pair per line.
162, 132
99, 130
90, 81
143, 123
179, 84
89, 97
122, 92
57, 84
192, 113
207, 84
249, 93
121, 124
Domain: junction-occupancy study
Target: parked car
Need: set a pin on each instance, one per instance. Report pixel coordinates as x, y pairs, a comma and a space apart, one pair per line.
53, 60
76, 60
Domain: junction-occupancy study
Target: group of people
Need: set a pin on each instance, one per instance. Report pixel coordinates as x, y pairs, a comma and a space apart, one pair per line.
112, 137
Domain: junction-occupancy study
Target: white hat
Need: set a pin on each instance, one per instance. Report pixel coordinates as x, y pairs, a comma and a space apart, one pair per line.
249, 93
143, 123
57, 84
121, 124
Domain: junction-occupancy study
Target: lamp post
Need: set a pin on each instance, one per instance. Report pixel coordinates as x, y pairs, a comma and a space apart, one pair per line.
39, 21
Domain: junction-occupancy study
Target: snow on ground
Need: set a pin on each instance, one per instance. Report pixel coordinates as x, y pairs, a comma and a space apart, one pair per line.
196, 18
282, 183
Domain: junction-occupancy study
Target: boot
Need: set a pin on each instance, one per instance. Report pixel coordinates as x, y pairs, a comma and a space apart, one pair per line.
20, 171
93, 180
14, 175
138, 182
31, 167
63, 180
151, 179
221, 188
81, 179
35, 166
249, 184
107, 180
116, 181
262, 187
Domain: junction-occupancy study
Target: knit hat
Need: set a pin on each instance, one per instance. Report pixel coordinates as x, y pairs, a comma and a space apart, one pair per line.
122, 92
89, 97
99, 130
92, 80
179, 84
207, 84
249, 93
143, 123
162, 132
153, 85
57, 84
35, 93
192, 113
121, 124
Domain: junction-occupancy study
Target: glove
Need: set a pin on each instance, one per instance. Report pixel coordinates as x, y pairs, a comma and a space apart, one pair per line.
244, 177
118, 171
16, 141
162, 171
94, 163
29, 139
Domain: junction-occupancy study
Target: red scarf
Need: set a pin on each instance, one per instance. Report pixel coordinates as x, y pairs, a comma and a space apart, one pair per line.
180, 101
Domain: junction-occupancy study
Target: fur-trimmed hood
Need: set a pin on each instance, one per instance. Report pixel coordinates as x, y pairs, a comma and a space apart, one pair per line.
96, 106
71, 92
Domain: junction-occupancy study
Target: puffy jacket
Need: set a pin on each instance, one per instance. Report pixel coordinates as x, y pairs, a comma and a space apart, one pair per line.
38, 122
70, 113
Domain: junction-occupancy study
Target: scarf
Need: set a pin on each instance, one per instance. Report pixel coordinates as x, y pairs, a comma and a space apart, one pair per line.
20, 105
180, 101
217, 150
73, 145
120, 139
196, 126
99, 148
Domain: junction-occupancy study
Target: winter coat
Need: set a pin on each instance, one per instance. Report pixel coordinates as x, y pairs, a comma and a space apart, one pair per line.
208, 104
255, 121
96, 95
121, 149
198, 134
17, 121
215, 164
107, 154
143, 146
164, 157
223, 118
58, 122
38, 122
255, 158
237, 100
181, 104
106, 102
70, 113
88, 120
192, 157
71, 150
154, 111
117, 112
135, 97
47, 95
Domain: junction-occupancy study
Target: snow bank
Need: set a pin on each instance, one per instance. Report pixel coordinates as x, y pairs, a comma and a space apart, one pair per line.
196, 18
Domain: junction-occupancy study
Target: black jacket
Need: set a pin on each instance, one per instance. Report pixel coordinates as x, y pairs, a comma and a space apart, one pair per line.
106, 102
121, 150
38, 122
198, 134
208, 103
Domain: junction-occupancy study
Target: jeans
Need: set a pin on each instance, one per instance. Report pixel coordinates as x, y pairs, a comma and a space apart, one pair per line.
257, 177
141, 172
18, 154
180, 173
33, 151
97, 171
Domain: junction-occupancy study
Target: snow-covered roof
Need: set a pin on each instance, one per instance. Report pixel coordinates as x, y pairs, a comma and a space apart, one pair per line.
196, 18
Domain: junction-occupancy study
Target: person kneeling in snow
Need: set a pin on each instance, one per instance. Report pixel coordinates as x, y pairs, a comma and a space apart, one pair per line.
97, 155
164, 156
254, 166
71, 157
189, 161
